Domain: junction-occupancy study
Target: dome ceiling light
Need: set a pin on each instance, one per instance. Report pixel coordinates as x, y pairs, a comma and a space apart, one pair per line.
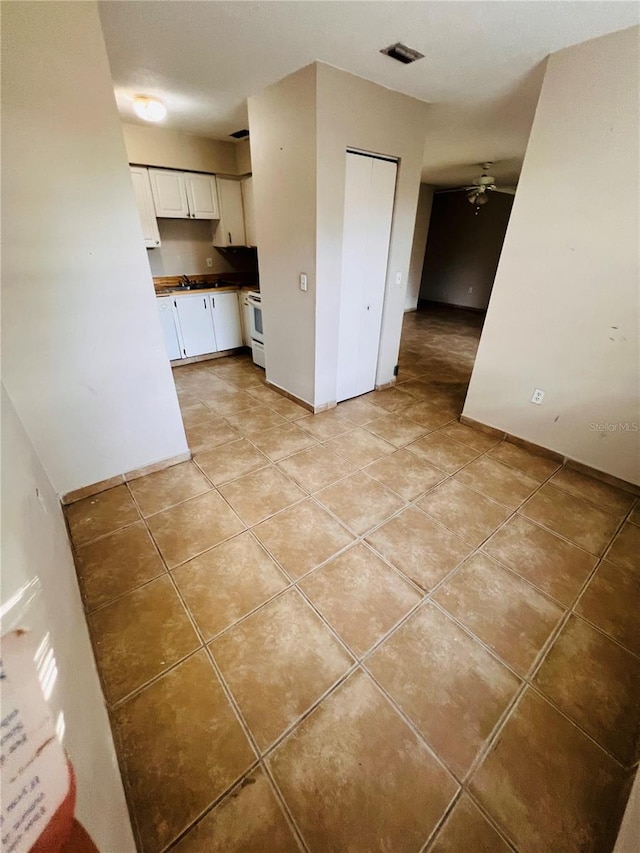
148, 108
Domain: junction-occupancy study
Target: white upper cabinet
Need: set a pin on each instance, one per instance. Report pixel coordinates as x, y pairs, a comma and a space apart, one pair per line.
202, 196
249, 212
229, 231
184, 195
144, 200
169, 194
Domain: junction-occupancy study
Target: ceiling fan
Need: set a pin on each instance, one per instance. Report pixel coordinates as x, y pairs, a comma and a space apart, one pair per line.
478, 192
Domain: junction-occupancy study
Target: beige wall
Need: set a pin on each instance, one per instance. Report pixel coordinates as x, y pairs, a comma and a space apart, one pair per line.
283, 147
243, 157
172, 149
186, 245
354, 113
39, 577
83, 355
420, 231
563, 315
463, 249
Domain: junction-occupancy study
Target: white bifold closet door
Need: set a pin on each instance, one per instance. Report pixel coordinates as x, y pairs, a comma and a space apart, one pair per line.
368, 211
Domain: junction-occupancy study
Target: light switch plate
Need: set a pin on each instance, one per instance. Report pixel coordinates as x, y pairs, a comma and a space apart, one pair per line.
303, 281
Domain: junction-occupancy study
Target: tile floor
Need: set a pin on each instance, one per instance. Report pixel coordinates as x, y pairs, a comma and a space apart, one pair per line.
373, 629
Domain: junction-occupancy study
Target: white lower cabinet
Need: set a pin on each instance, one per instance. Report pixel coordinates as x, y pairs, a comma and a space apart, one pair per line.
169, 328
196, 325
225, 311
200, 323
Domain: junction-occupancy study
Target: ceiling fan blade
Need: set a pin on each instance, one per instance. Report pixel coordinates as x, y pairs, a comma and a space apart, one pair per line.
451, 190
507, 190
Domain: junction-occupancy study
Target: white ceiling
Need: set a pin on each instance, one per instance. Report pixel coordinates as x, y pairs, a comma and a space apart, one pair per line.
481, 73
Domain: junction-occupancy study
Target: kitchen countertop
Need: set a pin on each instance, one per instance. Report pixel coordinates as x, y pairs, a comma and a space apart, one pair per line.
168, 291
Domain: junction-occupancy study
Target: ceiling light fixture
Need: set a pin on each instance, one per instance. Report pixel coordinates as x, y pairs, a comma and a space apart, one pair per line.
149, 109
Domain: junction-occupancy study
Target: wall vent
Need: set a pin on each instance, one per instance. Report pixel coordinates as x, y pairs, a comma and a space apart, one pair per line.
240, 134
402, 53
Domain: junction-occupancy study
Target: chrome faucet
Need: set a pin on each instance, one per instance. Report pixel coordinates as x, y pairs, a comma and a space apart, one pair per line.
184, 279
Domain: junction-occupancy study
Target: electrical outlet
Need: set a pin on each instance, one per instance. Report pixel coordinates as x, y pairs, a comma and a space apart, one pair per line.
399, 279
470, 290
303, 281
537, 397
209, 262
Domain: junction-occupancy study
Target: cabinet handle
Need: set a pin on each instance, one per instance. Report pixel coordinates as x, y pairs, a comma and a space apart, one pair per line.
213, 302
205, 303
175, 303
230, 240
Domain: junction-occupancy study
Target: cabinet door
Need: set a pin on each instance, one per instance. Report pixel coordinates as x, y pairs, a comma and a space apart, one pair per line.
169, 194
226, 320
196, 326
249, 212
230, 229
169, 329
144, 200
202, 195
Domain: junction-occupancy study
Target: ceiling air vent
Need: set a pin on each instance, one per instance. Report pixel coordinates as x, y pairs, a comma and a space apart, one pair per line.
240, 134
402, 53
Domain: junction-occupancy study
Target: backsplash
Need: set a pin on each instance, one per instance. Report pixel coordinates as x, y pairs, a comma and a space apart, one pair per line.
186, 245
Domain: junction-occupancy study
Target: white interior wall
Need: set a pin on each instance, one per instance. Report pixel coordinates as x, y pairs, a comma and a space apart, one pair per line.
173, 149
354, 113
83, 354
282, 120
563, 315
420, 231
40, 592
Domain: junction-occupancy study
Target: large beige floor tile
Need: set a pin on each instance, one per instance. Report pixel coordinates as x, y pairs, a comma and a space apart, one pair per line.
325, 425
360, 501
552, 564
230, 462
360, 447
255, 421
576, 519
261, 494
495, 480
360, 596
277, 663
597, 684
467, 829
229, 402
548, 786
116, 564
610, 601
283, 441
452, 688
101, 514
163, 489
404, 473
192, 527
601, 494
224, 584
357, 778
444, 452
468, 513
397, 429
359, 411
248, 819
429, 414
467, 435
316, 468
419, 547
182, 747
139, 636
392, 399
302, 537
210, 433
535, 466
503, 611
625, 548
